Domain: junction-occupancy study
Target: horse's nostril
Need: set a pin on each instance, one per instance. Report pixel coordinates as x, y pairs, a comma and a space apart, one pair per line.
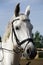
28, 51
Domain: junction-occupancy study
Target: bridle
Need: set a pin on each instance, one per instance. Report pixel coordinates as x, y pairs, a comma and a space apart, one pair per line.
16, 38
18, 42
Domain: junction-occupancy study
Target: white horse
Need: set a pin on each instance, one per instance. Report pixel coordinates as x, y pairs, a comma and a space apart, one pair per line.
18, 38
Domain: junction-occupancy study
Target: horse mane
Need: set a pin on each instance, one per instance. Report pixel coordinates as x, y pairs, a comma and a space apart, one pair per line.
8, 29
7, 32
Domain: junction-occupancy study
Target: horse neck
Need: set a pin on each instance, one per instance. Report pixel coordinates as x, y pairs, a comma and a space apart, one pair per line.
16, 55
9, 45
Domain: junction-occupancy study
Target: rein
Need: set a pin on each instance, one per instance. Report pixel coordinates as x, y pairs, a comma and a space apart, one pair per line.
12, 51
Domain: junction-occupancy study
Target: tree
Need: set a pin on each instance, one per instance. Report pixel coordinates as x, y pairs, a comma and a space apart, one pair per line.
38, 39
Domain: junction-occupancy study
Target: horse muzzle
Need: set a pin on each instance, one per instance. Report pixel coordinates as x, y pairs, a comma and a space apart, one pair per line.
31, 53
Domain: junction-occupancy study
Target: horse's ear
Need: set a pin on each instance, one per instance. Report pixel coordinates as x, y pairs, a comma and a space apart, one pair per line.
27, 12
17, 9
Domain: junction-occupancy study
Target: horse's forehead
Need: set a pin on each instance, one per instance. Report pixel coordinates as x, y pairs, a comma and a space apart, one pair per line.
23, 17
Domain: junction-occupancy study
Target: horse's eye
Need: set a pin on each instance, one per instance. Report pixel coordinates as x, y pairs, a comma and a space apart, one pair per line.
17, 28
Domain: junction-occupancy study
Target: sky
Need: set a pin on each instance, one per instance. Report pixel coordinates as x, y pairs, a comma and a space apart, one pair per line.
36, 13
